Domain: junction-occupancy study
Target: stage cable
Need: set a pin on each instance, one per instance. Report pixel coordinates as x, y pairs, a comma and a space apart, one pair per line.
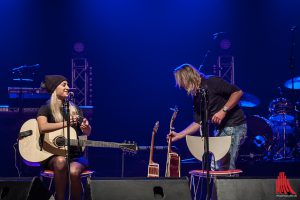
16, 165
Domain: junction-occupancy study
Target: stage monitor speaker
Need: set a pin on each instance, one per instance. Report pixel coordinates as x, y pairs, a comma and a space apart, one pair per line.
249, 188
140, 188
23, 189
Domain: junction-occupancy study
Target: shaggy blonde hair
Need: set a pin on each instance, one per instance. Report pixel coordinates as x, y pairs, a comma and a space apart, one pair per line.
55, 106
188, 77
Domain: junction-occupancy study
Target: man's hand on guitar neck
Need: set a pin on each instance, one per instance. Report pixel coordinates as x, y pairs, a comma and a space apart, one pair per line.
191, 129
175, 136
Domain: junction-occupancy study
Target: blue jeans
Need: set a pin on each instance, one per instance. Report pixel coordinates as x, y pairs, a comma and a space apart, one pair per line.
238, 136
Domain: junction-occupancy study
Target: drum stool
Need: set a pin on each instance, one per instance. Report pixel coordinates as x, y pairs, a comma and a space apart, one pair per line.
197, 175
50, 174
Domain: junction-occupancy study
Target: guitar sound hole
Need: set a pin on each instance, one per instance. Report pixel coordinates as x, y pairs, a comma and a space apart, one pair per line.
59, 141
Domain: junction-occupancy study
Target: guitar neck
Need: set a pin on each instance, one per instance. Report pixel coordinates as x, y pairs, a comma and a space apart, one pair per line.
91, 143
169, 156
151, 150
171, 128
169, 145
152, 142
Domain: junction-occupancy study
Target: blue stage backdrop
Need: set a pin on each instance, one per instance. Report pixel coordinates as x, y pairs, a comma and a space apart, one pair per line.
133, 47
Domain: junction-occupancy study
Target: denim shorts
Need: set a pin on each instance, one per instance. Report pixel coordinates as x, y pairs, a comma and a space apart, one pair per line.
80, 159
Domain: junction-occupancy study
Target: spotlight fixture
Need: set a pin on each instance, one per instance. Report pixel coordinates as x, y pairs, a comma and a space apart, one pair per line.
78, 47
225, 44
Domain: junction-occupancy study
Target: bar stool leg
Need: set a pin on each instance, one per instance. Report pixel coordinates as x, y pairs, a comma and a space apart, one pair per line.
197, 187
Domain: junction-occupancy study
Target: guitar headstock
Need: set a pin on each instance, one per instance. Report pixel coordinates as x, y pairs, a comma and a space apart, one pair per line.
155, 128
175, 111
129, 147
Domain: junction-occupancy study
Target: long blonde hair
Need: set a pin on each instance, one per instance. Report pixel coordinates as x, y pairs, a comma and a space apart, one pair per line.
188, 77
55, 106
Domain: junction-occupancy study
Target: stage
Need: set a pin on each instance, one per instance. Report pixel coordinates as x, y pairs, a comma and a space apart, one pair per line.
121, 63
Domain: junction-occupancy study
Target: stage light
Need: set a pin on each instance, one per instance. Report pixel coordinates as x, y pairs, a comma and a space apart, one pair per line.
225, 44
78, 47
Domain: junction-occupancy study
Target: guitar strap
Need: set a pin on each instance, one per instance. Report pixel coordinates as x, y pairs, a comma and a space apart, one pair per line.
41, 141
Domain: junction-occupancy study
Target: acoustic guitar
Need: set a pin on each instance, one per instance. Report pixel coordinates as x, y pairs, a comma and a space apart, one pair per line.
153, 168
173, 159
35, 150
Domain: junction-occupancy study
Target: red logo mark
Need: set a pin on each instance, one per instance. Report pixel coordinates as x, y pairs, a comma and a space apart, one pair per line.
283, 186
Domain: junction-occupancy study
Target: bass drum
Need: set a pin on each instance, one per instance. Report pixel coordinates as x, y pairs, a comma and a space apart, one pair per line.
259, 137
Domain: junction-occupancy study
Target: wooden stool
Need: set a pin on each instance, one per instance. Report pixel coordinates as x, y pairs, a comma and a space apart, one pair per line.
198, 174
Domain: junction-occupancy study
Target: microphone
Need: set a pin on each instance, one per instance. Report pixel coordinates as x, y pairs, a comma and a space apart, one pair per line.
216, 35
203, 94
71, 96
67, 101
203, 90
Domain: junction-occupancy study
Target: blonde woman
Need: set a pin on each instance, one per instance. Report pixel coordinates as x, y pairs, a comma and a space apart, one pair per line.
50, 118
223, 109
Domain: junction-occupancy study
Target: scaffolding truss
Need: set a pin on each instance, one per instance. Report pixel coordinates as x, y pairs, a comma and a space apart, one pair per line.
82, 81
225, 68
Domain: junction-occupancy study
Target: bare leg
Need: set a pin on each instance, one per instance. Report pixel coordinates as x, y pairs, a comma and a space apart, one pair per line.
59, 165
75, 171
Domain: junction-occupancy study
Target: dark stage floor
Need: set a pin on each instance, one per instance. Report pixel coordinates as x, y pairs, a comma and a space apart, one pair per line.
256, 168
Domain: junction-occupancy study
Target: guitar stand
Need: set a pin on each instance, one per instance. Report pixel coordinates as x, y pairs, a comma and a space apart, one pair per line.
282, 153
123, 164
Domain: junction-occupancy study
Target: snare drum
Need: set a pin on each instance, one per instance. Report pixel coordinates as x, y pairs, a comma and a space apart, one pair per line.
281, 111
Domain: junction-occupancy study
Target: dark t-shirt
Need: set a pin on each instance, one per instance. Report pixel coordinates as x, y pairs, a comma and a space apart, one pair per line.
46, 111
219, 92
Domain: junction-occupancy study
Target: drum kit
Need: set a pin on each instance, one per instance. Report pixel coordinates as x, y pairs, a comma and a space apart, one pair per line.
277, 137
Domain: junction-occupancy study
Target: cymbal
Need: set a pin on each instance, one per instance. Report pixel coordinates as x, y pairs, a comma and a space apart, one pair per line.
249, 100
288, 83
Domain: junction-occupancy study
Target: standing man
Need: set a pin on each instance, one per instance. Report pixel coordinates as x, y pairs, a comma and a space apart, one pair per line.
223, 109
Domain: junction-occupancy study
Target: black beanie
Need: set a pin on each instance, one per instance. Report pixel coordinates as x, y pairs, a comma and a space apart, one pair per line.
52, 81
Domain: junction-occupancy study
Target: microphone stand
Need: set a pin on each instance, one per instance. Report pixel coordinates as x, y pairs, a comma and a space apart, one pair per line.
293, 71
214, 37
292, 65
67, 115
205, 131
204, 59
